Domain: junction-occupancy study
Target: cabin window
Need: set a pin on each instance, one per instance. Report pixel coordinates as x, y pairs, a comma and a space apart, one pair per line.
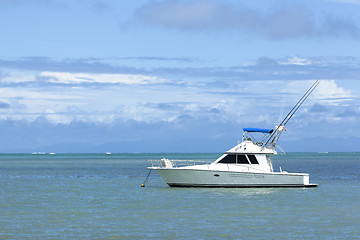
241, 159
228, 159
253, 159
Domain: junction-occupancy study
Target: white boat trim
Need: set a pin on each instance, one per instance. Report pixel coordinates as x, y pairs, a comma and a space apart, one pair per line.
231, 179
243, 185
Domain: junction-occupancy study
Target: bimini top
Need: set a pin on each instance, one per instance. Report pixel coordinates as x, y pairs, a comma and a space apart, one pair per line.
263, 130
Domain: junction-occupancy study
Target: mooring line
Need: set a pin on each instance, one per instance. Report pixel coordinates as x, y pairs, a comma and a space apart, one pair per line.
143, 185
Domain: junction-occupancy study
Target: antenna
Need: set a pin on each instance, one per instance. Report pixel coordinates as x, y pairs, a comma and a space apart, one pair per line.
273, 138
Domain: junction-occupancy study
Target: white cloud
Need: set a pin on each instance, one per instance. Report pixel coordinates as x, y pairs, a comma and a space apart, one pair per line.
297, 61
327, 92
78, 78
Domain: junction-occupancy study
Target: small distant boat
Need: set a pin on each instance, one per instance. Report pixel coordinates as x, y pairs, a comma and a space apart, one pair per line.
35, 153
108, 153
247, 164
52, 153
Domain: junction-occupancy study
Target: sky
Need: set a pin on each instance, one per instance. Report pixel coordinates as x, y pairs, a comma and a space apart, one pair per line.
177, 76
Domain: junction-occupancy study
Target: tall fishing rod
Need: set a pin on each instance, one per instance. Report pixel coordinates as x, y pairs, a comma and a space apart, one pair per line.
317, 83
292, 112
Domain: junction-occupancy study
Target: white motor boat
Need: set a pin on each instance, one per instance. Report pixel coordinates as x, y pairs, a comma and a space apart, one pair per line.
247, 164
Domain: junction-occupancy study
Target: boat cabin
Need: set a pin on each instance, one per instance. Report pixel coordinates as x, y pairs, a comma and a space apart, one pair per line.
250, 152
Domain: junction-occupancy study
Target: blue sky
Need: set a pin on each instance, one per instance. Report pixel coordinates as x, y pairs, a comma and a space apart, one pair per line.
176, 76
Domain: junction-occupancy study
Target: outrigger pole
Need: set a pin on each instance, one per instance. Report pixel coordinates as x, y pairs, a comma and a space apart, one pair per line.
276, 134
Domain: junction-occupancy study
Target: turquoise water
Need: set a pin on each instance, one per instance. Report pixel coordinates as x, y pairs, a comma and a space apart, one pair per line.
98, 196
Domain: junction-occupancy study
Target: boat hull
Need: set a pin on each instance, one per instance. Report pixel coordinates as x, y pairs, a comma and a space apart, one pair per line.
177, 177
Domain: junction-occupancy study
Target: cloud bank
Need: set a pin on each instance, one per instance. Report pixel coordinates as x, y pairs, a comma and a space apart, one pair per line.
114, 71
112, 105
285, 22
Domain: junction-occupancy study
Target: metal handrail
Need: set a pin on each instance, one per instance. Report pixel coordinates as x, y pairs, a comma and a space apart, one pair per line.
158, 163
177, 163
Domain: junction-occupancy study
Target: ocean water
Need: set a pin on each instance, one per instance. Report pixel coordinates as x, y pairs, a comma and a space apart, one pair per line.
98, 196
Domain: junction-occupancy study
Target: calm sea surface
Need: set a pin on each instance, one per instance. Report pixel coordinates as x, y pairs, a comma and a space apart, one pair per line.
98, 196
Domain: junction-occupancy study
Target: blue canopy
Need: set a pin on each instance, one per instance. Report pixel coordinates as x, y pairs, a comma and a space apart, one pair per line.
263, 130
